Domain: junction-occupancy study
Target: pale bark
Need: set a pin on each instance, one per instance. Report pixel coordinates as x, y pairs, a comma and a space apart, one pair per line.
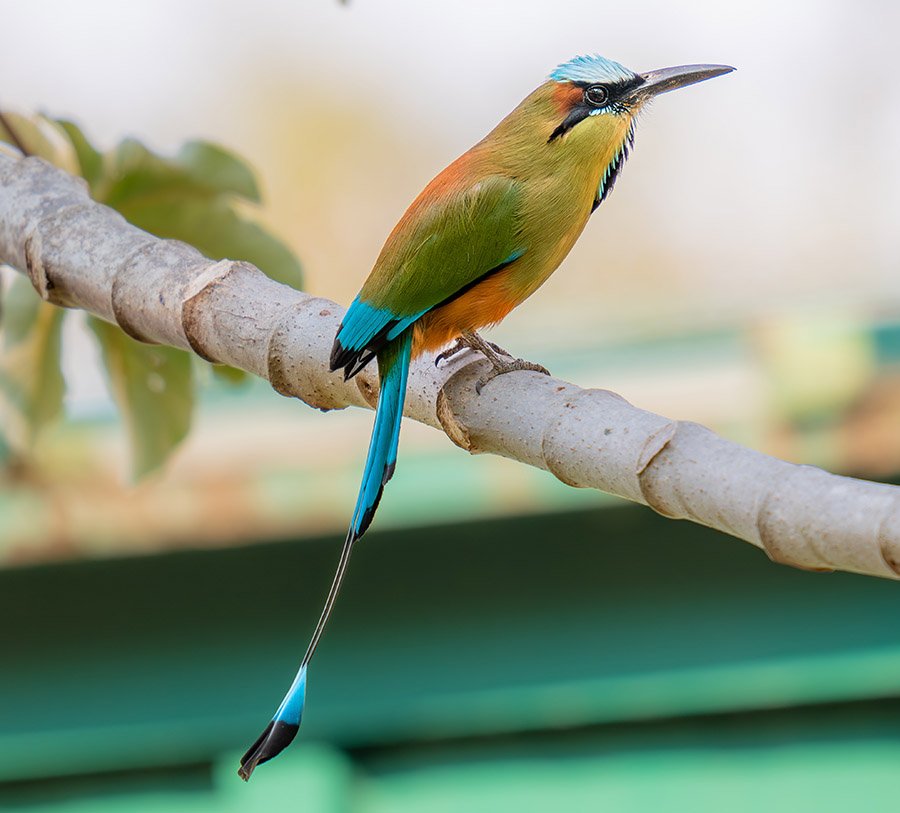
83, 255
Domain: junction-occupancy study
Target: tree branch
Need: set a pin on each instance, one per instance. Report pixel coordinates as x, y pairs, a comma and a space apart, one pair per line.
83, 255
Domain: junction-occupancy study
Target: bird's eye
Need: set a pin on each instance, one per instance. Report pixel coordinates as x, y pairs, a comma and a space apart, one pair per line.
596, 95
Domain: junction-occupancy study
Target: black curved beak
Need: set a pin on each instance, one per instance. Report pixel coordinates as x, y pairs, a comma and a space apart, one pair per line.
666, 79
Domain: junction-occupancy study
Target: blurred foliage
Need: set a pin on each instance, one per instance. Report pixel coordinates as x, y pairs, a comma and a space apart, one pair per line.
152, 387
203, 196
817, 366
31, 382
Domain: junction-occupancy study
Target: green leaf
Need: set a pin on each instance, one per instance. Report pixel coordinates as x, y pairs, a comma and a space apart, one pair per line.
42, 137
90, 160
216, 168
200, 170
230, 375
199, 196
153, 388
31, 381
193, 198
134, 172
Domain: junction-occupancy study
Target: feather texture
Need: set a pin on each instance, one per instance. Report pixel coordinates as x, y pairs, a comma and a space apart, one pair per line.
393, 368
591, 68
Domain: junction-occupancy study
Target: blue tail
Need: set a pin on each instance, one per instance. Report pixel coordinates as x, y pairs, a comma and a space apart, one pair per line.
393, 368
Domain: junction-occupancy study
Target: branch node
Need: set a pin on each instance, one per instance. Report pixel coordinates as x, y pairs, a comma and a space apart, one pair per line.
303, 334
454, 430
368, 388
654, 445
781, 543
34, 266
147, 290
887, 535
647, 468
121, 312
192, 304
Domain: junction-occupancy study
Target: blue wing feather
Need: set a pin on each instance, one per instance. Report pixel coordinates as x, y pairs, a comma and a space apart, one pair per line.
364, 331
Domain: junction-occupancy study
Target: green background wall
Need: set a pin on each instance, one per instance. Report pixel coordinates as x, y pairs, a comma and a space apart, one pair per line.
603, 659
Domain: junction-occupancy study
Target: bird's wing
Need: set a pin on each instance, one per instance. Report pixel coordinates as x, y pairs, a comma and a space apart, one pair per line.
443, 245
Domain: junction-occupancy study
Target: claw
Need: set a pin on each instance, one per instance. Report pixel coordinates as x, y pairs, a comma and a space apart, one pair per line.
451, 351
492, 352
503, 367
461, 345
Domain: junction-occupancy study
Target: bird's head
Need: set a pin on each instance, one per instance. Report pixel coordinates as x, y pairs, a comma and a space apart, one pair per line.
598, 95
589, 103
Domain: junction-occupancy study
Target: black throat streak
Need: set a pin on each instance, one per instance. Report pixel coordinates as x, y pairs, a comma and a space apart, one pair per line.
614, 169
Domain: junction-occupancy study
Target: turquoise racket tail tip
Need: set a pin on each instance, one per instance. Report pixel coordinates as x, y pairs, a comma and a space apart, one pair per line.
282, 729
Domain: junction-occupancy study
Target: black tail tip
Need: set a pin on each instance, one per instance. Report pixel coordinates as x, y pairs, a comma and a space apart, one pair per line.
338, 355
277, 736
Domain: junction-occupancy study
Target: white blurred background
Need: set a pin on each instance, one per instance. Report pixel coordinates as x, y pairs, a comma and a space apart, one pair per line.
774, 187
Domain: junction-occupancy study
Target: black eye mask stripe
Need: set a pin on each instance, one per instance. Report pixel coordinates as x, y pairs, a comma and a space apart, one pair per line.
581, 111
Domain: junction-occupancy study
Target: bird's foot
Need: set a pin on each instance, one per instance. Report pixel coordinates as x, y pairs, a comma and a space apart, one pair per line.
501, 361
461, 345
502, 366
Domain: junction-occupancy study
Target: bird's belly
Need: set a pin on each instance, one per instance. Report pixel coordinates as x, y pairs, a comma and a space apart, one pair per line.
484, 304
491, 300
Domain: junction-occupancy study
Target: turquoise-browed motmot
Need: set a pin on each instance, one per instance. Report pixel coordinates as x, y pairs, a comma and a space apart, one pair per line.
480, 239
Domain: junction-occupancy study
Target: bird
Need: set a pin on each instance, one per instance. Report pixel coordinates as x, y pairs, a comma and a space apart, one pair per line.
478, 240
